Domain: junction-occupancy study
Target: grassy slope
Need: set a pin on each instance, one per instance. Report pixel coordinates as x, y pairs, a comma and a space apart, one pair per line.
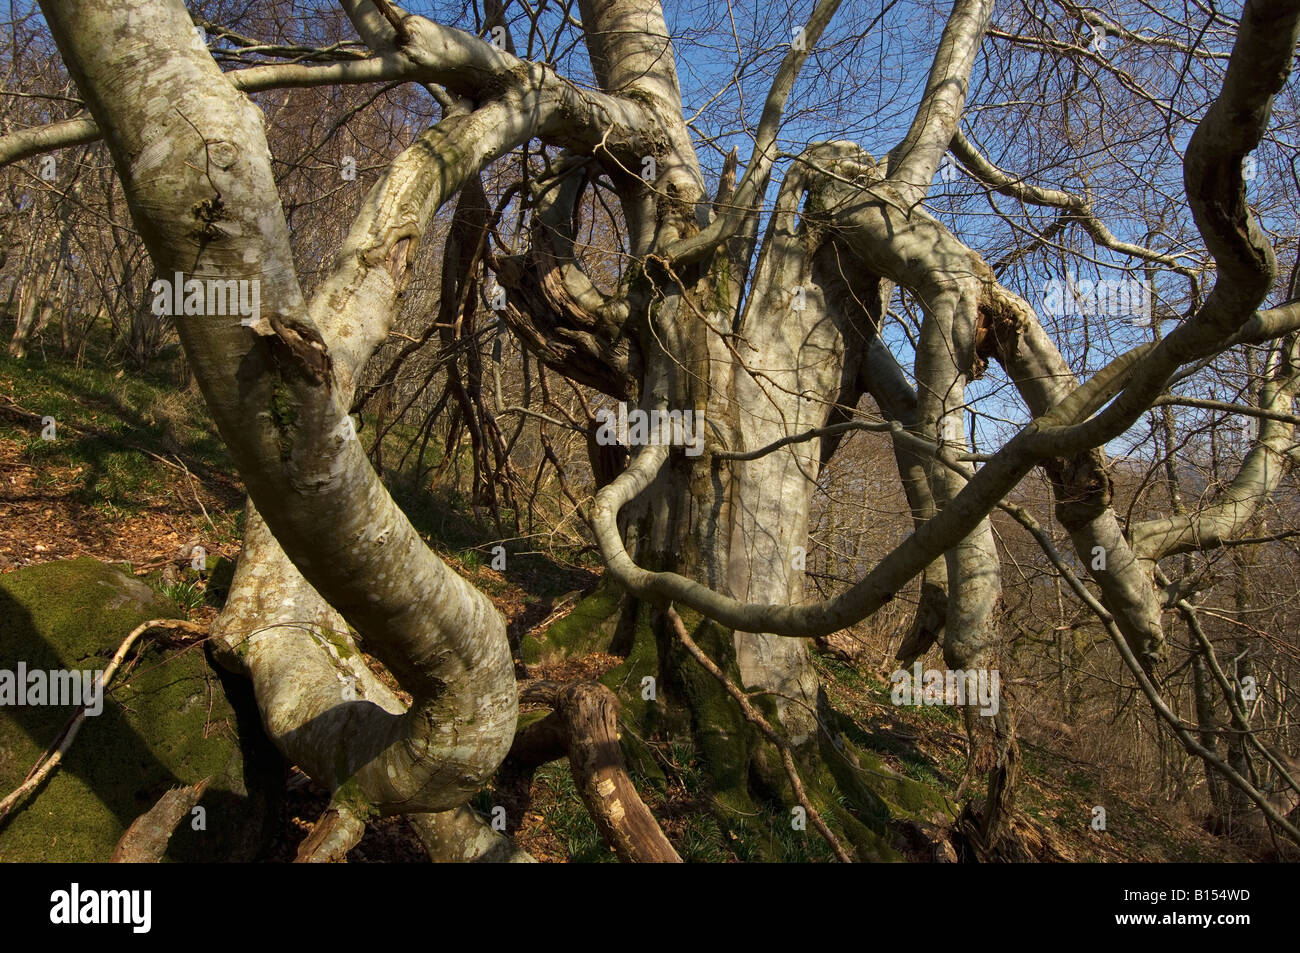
137, 472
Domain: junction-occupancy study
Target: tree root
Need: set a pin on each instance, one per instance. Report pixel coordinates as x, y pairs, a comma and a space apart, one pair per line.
461, 836
336, 832
753, 716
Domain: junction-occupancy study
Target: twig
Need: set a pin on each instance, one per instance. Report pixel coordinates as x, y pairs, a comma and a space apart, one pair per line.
195, 490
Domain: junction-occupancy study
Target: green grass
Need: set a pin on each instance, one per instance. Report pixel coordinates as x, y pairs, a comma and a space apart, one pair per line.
567, 816
107, 423
186, 593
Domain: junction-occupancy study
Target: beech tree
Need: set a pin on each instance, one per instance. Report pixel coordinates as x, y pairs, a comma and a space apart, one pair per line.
787, 293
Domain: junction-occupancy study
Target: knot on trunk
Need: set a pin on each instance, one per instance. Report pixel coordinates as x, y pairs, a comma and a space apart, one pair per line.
1083, 488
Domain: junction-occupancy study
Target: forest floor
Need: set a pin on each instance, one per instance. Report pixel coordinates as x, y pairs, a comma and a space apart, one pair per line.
137, 475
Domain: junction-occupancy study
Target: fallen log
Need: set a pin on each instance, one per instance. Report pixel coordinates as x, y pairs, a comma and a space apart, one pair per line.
585, 715
145, 841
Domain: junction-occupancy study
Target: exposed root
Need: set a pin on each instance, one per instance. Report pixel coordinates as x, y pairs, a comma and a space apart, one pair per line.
461, 836
336, 832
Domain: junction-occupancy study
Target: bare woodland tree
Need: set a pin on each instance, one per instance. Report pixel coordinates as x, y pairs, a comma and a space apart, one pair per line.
792, 299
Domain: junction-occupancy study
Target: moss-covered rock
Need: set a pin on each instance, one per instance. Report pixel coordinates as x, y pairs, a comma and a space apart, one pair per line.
168, 718
590, 627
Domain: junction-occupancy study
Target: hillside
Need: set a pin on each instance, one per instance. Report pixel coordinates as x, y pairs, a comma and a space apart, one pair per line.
136, 475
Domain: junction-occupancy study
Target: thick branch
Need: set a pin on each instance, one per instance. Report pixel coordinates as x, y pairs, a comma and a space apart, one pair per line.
912, 163
185, 142
743, 204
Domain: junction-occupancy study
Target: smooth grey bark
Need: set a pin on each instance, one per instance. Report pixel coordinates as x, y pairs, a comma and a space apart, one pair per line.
1080, 482
896, 398
192, 158
785, 382
911, 165
354, 309
461, 836
788, 373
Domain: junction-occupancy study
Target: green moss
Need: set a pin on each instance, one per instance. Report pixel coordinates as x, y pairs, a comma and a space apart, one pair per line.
903, 796
348, 794
221, 575
625, 680
527, 718
739, 775
530, 650
339, 641
169, 719
285, 417
725, 736
641, 763
588, 628
871, 846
